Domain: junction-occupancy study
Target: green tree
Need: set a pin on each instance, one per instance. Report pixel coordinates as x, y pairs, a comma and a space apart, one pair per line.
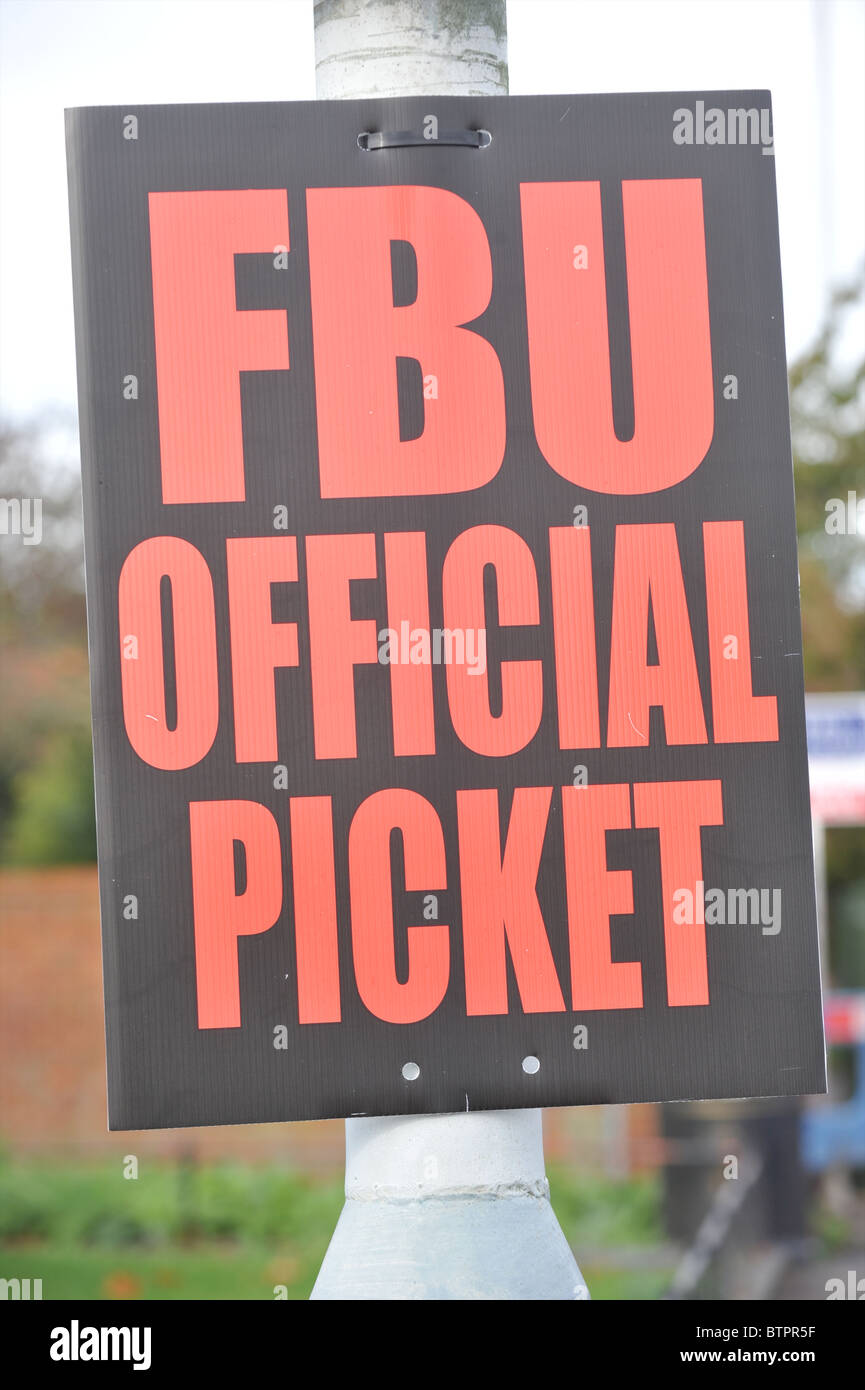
54, 820
827, 408
46, 779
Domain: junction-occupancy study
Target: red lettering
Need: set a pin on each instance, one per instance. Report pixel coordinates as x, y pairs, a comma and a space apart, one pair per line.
679, 810
258, 645
500, 903
372, 923
647, 566
410, 683
358, 335
142, 668
337, 642
496, 736
738, 716
202, 342
574, 636
671, 351
595, 894
221, 914
315, 919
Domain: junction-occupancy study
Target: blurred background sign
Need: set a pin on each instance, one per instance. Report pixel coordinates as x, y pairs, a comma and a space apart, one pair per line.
836, 757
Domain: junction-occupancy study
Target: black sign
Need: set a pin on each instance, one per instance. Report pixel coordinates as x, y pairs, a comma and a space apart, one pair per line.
442, 589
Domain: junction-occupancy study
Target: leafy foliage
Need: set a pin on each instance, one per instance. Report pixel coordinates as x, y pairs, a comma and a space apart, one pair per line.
46, 773
827, 408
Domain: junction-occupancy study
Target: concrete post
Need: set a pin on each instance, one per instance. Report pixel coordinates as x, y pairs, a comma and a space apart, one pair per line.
437, 1206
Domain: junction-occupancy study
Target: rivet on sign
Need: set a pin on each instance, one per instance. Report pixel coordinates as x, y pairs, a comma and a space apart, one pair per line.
411, 1071
531, 1065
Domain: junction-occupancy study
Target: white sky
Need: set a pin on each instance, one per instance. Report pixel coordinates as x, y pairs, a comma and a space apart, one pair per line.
58, 53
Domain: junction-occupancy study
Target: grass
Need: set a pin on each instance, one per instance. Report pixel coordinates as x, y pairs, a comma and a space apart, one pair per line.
210, 1272
594, 1210
232, 1231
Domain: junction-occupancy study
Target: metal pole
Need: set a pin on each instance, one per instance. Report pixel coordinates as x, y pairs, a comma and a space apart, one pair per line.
448, 1207
402, 48
437, 1206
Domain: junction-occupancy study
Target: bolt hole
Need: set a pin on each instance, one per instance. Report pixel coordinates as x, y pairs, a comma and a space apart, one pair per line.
531, 1065
411, 1071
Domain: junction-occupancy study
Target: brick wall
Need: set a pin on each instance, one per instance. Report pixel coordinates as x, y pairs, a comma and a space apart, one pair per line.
52, 1088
